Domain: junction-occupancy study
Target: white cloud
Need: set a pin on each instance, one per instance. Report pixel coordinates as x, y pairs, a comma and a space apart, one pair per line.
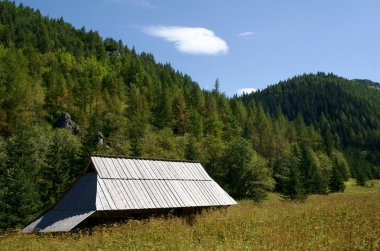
192, 40
246, 91
246, 34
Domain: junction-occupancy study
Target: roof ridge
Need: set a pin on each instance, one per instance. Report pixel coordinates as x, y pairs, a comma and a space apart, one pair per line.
178, 179
143, 158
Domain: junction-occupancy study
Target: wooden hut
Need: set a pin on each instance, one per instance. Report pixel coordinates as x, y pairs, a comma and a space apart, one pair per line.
118, 186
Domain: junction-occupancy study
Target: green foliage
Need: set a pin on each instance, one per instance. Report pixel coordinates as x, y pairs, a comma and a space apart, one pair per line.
192, 148
37, 165
248, 175
339, 160
61, 166
162, 144
237, 161
313, 179
293, 184
24, 97
3, 188
180, 114
345, 112
26, 156
295, 136
22, 27
336, 182
258, 179
211, 156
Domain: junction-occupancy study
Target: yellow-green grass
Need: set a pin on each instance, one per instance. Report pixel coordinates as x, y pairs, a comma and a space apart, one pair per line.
341, 221
353, 188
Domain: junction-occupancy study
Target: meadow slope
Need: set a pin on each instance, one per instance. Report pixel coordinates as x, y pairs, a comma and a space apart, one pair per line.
341, 221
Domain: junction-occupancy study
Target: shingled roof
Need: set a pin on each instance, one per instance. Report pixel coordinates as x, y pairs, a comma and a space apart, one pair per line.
115, 183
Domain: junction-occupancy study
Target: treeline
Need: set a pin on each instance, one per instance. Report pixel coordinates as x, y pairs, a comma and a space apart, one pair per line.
125, 103
345, 112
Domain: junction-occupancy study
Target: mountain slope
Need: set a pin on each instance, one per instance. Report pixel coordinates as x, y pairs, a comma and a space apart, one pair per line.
121, 103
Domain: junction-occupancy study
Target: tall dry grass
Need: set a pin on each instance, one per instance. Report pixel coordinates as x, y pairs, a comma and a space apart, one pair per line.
344, 221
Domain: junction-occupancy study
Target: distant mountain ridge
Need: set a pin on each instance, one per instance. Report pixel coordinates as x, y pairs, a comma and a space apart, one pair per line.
367, 82
346, 112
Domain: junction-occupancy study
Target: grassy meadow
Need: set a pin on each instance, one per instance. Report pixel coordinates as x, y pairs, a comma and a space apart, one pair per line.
341, 221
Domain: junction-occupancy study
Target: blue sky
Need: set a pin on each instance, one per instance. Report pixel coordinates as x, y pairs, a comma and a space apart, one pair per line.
243, 43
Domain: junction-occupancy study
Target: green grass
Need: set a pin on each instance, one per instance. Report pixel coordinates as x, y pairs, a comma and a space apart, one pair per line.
340, 221
372, 186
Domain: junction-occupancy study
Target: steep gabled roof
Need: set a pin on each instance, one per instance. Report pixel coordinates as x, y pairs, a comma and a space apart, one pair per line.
132, 184
148, 169
148, 184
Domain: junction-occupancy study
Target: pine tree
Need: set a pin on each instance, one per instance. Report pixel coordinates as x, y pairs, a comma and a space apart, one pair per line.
293, 186
213, 124
191, 151
312, 177
26, 155
62, 165
216, 89
4, 188
196, 123
336, 182
180, 114
138, 116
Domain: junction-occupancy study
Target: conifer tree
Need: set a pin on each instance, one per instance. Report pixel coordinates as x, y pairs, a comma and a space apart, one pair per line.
191, 151
312, 177
26, 155
213, 124
293, 185
138, 117
4, 188
180, 114
336, 182
62, 165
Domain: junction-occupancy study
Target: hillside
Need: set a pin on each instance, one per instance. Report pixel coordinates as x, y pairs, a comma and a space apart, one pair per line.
120, 102
345, 112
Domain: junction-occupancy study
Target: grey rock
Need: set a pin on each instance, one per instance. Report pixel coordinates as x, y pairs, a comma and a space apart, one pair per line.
65, 122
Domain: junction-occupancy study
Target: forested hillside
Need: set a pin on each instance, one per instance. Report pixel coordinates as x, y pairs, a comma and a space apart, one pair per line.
124, 103
345, 112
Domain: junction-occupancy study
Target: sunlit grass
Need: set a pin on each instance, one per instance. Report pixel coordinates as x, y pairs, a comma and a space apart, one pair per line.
341, 221
372, 186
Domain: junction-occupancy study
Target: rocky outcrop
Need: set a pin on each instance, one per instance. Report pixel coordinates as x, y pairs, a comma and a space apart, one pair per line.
65, 122
100, 138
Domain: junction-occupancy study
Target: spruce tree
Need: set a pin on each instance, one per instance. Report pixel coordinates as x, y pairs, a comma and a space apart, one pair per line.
26, 155
62, 165
313, 179
293, 185
336, 182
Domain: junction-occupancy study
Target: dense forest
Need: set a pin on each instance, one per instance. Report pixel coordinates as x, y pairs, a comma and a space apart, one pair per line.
346, 113
124, 103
